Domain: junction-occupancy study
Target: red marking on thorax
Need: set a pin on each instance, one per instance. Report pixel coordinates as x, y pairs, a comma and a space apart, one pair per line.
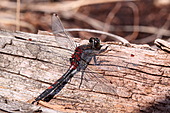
75, 64
77, 53
76, 57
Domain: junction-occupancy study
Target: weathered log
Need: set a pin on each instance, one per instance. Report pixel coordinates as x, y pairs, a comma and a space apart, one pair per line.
131, 79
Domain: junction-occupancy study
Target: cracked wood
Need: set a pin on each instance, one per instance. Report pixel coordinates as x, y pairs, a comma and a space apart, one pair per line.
29, 63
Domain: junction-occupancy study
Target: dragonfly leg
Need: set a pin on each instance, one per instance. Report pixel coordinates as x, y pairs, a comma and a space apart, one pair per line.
103, 50
95, 61
81, 81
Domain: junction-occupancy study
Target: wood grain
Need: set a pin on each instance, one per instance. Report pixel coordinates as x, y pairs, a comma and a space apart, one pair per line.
126, 79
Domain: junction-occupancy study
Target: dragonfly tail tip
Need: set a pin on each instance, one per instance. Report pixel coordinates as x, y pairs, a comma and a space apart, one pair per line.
34, 102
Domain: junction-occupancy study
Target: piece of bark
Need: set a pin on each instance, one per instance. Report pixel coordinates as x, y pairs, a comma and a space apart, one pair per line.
162, 44
14, 106
131, 79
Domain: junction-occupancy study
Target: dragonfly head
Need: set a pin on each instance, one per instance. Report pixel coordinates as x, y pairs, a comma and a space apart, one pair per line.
95, 43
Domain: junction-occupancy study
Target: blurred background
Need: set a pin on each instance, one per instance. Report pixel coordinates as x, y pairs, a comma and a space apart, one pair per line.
139, 21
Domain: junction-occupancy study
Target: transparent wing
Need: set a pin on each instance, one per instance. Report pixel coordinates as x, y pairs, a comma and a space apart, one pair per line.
61, 36
93, 81
101, 84
56, 50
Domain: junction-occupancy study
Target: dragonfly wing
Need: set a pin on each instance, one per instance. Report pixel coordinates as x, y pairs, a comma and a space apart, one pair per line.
61, 35
94, 81
101, 84
55, 50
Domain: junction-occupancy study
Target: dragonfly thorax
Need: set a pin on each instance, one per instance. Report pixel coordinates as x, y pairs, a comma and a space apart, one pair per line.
81, 52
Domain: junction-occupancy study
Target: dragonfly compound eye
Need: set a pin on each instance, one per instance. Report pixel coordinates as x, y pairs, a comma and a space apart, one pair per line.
94, 40
97, 40
91, 40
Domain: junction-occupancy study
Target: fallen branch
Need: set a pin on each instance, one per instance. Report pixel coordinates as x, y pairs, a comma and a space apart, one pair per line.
30, 63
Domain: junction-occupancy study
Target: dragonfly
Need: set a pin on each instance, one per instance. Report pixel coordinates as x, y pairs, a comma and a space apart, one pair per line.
79, 60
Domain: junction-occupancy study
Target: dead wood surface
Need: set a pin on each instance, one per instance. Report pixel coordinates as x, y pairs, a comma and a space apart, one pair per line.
138, 77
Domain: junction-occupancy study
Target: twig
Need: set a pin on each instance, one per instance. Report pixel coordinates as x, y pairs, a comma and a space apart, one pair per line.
18, 16
128, 28
22, 23
91, 21
165, 26
158, 34
57, 7
145, 40
115, 37
144, 29
110, 17
135, 10
101, 32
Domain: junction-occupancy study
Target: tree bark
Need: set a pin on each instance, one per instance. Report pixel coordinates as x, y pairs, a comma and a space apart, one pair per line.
125, 79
